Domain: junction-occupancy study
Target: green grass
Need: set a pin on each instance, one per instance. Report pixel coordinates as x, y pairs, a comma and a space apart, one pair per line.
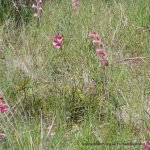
43, 86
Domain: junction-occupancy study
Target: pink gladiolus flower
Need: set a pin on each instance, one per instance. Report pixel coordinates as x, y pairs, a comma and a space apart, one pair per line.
34, 6
95, 42
3, 109
74, 4
40, 2
58, 45
2, 105
35, 15
92, 35
55, 42
101, 52
40, 9
2, 135
59, 38
146, 144
104, 61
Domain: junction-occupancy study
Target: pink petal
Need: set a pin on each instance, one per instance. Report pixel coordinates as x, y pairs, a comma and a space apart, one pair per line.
98, 37
146, 144
2, 135
55, 42
59, 38
40, 9
3, 109
35, 15
74, 4
40, 2
2, 105
58, 45
102, 59
93, 35
101, 52
95, 42
34, 6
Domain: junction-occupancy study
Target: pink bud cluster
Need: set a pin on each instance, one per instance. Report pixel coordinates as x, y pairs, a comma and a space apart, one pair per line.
38, 8
146, 145
3, 108
97, 42
74, 4
57, 41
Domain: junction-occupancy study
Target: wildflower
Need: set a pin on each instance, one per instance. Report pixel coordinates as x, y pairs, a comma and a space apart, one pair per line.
40, 9
58, 45
34, 6
3, 110
74, 4
95, 42
59, 38
35, 15
146, 144
55, 42
2, 135
40, 2
92, 35
101, 52
104, 61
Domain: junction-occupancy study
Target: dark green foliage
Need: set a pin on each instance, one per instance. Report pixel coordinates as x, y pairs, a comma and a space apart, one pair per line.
20, 11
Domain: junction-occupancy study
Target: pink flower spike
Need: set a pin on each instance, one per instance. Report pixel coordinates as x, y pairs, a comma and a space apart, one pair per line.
40, 9
58, 45
34, 6
40, 2
59, 38
35, 15
2, 135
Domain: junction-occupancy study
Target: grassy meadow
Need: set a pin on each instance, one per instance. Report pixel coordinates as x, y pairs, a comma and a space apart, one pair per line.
64, 98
